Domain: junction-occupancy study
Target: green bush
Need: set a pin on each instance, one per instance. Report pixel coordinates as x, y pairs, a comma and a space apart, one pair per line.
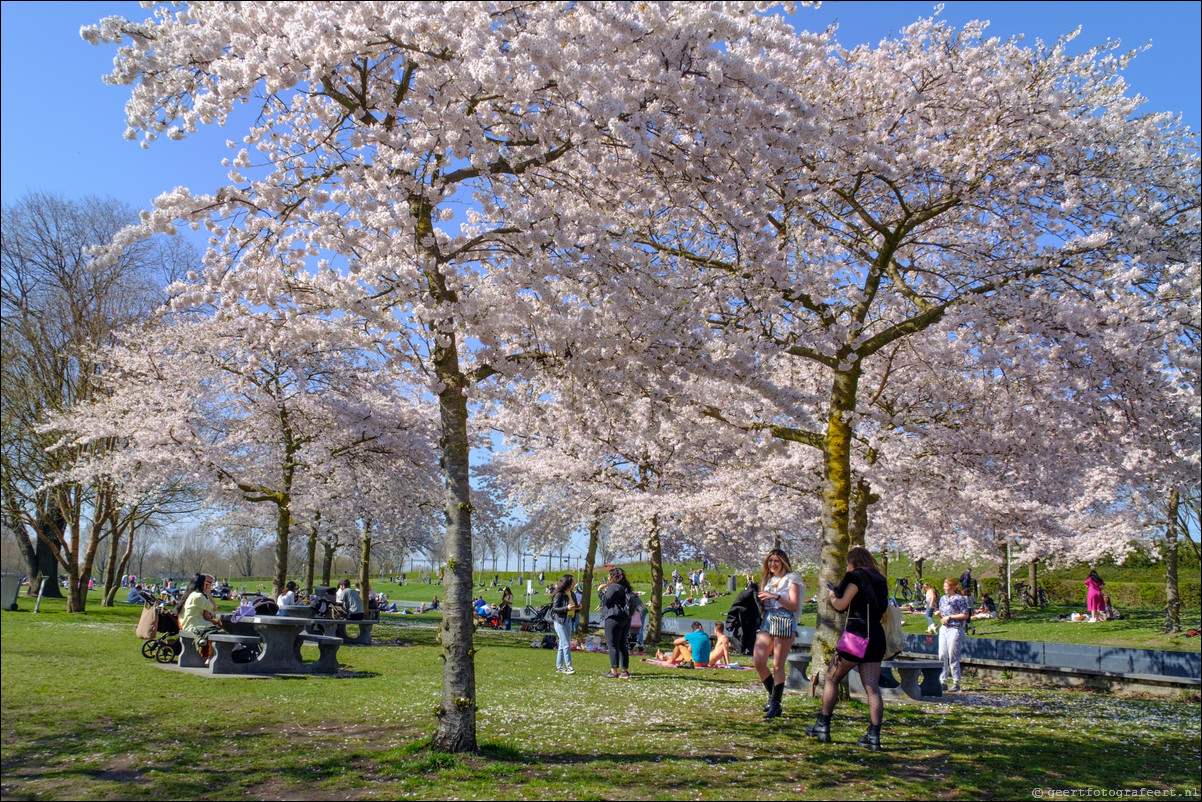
1122, 594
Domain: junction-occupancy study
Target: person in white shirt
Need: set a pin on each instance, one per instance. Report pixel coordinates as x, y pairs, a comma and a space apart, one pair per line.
288, 598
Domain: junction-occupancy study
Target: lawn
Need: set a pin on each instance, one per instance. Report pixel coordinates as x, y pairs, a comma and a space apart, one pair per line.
1139, 628
85, 716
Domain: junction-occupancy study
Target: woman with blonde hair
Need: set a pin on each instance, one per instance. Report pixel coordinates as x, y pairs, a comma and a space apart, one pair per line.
863, 594
781, 595
954, 611
932, 600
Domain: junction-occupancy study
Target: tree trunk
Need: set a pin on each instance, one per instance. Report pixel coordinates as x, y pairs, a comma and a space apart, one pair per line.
1172, 608
327, 562
108, 569
861, 497
123, 564
655, 610
1003, 593
456, 731
918, 571
364, 573
836, 497
590, 559
283, 524
311, 553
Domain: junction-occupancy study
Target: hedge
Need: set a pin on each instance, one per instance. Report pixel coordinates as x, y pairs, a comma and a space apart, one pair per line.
1122, 594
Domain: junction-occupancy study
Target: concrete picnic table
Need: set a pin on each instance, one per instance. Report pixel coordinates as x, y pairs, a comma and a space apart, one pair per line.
281, 638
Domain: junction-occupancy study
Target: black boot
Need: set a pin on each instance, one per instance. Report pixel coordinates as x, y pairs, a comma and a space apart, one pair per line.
872, 738
769, 684
774, 703
820, 729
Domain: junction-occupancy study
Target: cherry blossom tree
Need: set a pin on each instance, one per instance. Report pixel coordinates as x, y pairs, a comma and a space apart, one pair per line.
257, 410
936, 191
371, 117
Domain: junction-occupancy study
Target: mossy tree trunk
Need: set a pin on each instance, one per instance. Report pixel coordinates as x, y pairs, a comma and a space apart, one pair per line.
836, 495
1172, 617
590, 560
655, 554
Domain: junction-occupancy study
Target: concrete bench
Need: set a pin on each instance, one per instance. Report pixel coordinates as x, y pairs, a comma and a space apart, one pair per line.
224, 646
798, 675
918, 678
327, 662
364, 636
189, 655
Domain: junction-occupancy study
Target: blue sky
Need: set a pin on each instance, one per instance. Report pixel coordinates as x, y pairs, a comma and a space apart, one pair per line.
62, 127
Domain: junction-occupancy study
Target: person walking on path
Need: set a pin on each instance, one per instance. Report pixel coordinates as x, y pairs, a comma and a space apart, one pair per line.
862, 593
1095, 601
954, 611
616, 604
781, 595
563, 605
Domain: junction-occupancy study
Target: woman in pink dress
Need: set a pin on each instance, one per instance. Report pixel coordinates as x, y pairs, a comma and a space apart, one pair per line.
1094, 601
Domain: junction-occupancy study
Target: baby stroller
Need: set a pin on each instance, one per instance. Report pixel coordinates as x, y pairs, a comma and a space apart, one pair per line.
492, 621
539, 619
160, 628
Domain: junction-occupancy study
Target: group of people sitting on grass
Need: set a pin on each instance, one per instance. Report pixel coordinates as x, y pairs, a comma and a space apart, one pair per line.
694, 648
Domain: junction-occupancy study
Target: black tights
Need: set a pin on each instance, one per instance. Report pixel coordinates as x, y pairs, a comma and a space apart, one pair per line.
617, 630
870, 676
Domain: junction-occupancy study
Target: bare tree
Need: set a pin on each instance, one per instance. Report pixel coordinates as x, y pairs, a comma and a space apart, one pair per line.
58, 308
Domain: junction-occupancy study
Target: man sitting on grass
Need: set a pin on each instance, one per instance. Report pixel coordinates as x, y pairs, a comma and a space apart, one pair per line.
692, 648
721, 653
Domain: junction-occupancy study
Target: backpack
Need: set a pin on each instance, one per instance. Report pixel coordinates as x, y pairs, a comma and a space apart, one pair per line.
265, 606
550, 642
632, 603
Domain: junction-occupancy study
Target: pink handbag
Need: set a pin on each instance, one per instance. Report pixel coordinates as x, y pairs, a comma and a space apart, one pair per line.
852, 644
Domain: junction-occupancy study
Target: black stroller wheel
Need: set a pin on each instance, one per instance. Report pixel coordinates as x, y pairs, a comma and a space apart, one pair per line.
165, 654
150, 648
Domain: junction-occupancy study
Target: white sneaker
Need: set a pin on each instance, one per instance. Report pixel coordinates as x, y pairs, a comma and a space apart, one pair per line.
569, 670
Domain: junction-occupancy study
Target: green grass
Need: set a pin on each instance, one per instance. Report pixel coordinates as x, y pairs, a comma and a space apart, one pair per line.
1138, 629
85, 716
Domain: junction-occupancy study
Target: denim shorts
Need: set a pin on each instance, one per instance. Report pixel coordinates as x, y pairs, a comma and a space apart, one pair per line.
764, 624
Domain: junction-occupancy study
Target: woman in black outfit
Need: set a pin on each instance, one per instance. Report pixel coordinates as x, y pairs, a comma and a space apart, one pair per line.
617, 622
862, 593
506, 609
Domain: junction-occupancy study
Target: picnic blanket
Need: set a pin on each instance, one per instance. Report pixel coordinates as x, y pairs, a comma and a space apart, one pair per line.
666, 664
